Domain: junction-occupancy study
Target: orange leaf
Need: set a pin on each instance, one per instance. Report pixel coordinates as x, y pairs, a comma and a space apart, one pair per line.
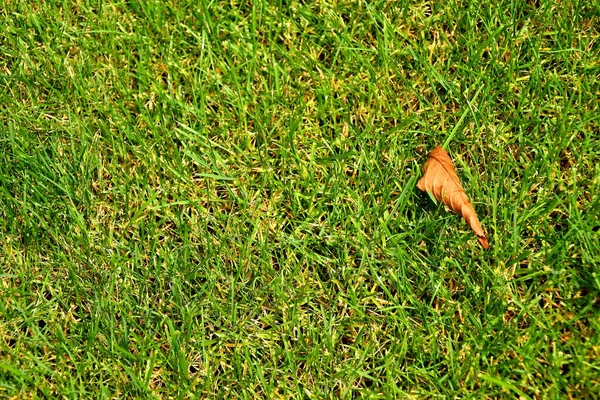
440, 179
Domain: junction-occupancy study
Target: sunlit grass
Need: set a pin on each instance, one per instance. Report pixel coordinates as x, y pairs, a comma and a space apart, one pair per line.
218, 200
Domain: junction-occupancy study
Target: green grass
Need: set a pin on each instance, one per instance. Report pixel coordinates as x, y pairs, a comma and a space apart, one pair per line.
217, 199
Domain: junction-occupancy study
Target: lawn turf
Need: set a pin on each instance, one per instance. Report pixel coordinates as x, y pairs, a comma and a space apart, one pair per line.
217, 199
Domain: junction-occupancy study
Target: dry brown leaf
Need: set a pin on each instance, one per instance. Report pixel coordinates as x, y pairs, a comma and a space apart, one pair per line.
440, 179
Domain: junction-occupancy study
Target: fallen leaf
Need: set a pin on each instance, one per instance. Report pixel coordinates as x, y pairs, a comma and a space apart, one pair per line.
440, 179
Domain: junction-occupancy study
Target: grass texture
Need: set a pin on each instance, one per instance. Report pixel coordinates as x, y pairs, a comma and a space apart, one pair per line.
217, 199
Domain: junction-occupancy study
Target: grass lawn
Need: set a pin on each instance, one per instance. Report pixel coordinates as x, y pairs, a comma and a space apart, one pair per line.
218, 199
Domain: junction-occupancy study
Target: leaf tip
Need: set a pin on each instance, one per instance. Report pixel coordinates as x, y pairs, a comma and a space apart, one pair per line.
484, 242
